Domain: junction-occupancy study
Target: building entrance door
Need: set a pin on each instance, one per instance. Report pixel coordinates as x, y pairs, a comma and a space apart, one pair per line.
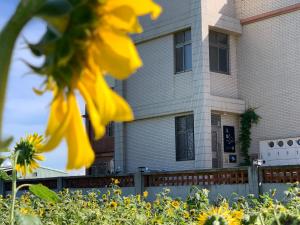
217, 159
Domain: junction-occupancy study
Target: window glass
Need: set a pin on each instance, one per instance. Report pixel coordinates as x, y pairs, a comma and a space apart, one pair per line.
213, 59
179, 59
222, 38
218, 52
223, 60
188, 57
183, 51
184, 126
213, 39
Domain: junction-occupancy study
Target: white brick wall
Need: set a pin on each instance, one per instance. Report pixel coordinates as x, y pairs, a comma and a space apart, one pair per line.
151, 143
269, 73
226, 85
156, 91
177, 14
156, 82
264, 72
247, 8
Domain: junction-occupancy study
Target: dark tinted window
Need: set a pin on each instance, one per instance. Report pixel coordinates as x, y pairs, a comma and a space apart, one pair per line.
184, 126
218, 52
183, 51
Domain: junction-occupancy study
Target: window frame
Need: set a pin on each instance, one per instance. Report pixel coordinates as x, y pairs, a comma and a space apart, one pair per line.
182, 45
186, 158
220, 46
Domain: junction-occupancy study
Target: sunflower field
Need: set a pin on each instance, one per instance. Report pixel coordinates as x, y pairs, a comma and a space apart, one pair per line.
114, 208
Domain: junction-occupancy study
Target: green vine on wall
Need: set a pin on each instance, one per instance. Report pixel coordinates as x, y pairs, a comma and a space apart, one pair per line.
248, 118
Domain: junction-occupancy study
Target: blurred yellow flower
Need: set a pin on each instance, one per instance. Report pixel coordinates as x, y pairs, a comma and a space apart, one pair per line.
186, 215
113, 205
118, 192
25, 211
138, 198
28, 154
115, 181
145, 194
103, 47
175, 204
221, 214
126, 201
148, 205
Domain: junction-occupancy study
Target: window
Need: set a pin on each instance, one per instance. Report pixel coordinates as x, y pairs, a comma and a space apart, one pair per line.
183, 51
110, 129
184, 126
218, 52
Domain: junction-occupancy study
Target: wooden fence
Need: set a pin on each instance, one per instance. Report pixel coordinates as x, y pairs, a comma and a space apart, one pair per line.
280, 174
58, 183
203, 177
141, 181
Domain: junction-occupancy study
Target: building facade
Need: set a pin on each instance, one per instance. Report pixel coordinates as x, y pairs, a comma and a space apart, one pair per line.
205, 63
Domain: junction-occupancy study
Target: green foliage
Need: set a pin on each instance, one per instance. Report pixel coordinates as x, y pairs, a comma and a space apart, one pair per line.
248, 118
27, 220
44, 193
112, 208
198, 198
4, 175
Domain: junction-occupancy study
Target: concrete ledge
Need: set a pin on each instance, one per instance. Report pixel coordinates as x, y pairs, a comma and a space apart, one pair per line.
230, 105
223, 22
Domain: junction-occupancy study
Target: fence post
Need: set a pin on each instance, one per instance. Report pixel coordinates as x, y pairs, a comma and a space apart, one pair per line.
2, 188
59, 185
253, 178
139, 182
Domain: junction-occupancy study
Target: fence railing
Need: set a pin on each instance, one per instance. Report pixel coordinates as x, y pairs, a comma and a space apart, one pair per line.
49, 182
97, 182
203, 177
58, 183
280, 174
141, 181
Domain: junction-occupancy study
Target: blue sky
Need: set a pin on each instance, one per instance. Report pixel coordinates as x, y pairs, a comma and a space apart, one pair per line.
26, 112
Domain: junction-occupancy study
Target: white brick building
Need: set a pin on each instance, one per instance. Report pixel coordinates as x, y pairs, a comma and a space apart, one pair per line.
252, 45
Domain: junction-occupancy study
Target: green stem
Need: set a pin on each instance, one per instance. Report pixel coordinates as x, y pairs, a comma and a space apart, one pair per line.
22, 186
261, 219
8, 37
14, 187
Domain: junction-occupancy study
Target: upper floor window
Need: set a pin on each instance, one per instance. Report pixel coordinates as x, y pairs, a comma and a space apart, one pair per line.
183, 51
184, 126
218, 52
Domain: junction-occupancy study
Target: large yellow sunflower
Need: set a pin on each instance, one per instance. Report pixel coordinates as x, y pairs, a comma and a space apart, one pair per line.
223, 215
28, 154
95, 42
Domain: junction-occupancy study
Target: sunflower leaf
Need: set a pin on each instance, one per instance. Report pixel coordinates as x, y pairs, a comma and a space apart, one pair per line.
4, 175
55, 8
44, 193
56, 13
27, 220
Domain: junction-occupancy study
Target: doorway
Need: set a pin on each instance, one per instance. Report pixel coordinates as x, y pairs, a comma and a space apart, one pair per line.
216, 137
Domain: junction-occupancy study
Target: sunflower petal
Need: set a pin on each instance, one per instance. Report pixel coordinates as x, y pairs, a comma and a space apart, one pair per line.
118, 55
141, 7
55, 137
80, 151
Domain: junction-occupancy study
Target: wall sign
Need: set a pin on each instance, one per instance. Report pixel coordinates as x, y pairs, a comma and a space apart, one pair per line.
229, 139
232, 159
